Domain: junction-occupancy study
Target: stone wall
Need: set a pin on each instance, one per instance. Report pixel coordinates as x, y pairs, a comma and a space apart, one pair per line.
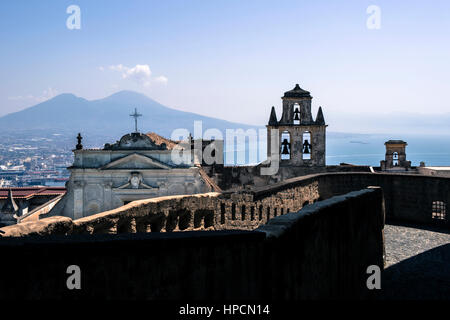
409, 198
435, 171
321, 251
244, 177
209, 211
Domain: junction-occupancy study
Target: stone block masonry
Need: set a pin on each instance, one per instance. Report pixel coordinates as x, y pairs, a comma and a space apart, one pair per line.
409, 198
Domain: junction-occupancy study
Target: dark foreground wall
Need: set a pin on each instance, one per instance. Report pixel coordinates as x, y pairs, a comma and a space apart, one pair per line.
322, 251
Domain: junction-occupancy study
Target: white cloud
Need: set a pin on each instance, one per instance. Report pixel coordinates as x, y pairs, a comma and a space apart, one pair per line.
118, 67
46, 95
161, 79
140, 73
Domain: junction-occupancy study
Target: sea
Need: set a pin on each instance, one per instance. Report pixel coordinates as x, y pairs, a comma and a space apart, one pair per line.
358, 149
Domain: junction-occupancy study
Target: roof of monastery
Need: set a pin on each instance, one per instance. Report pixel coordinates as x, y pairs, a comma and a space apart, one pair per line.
30, 192
210, 182
158, 140
297, 92
135, 141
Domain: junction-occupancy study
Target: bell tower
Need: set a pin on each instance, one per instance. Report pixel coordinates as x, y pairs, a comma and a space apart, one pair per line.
395, 158
301, 139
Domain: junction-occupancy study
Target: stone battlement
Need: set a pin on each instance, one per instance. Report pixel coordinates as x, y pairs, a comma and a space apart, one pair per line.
410, 198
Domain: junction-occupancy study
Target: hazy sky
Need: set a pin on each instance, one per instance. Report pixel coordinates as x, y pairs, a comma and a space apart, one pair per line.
231, 59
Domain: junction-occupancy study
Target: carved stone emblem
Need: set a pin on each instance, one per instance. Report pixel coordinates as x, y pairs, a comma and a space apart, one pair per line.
135, 181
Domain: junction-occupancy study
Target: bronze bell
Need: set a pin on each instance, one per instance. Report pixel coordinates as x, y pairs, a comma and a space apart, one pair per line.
285, 145
306, 147
296, 114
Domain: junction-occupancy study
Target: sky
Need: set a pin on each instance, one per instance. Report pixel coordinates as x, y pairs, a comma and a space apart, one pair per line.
232, 59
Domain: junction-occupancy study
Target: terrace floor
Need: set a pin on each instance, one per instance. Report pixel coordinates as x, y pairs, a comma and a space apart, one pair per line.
417, 263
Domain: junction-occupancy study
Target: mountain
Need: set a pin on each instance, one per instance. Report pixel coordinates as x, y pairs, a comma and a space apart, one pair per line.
108, 117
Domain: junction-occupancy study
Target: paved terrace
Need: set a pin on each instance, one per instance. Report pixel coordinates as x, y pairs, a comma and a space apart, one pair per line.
417, 263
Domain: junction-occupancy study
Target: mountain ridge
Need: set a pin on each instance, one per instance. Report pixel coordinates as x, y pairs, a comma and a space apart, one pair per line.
110, 115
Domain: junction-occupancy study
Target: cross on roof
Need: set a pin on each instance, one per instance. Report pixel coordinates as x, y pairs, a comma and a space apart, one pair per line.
135, 115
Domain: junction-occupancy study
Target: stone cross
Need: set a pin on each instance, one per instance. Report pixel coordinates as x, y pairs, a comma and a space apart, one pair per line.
135, 115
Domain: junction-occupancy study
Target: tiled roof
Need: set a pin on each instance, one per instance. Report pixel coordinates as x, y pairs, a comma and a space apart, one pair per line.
30, 192
158, 140
210, 182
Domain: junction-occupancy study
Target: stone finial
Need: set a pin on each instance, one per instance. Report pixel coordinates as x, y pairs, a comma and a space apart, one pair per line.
273, 118
79, 146
320, 120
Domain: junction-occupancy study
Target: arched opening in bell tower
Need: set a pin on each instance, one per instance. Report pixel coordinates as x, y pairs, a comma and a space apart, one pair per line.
395, 159
306, 146
285, 145
296, 112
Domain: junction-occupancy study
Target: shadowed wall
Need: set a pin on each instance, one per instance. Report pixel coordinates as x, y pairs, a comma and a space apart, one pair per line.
321, 251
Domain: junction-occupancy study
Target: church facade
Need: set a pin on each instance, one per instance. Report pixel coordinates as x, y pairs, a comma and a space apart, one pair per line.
131, 169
